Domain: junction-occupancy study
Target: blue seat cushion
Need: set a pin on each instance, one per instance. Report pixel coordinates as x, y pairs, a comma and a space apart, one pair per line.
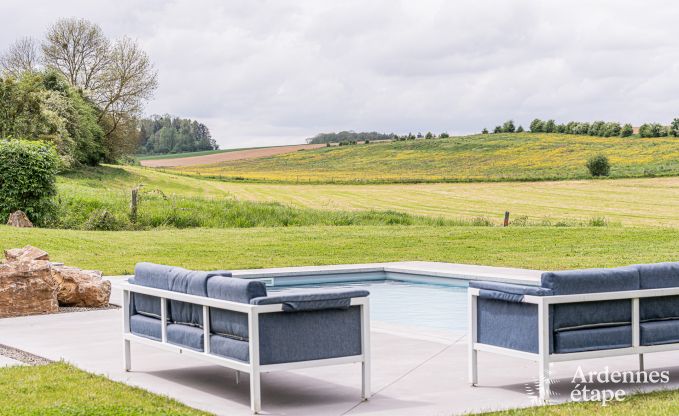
229, 323
230, 348
593, 339
591, 314
505, 324
184, 335
145, 326
658, 276
312, 299
660, 332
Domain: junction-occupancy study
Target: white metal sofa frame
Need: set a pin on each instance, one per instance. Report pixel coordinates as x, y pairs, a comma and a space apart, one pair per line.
253, 311
544, 357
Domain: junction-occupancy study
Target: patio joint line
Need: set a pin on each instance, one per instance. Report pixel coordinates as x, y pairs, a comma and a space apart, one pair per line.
401, 377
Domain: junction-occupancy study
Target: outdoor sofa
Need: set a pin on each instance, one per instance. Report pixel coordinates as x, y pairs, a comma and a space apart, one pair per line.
234, 323
575, 315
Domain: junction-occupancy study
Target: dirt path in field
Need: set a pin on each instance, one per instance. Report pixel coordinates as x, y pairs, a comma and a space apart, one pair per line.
226, 156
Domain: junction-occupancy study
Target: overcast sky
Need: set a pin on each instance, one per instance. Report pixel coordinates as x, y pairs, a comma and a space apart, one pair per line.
275, 72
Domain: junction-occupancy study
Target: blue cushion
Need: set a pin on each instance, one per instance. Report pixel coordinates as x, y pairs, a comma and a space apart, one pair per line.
658, 276
175, 279
230, 323
571, 282
310, 300
506, 291
230, 348
186, 336
660, 332
309, 335
145, 326
593, 339
591, 314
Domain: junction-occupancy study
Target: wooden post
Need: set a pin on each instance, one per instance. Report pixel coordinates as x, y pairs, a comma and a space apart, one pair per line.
506, 223
133, 205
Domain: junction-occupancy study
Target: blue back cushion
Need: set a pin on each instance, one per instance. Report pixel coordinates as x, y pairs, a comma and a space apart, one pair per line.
229, 323
591, 314
175, 279
658, 276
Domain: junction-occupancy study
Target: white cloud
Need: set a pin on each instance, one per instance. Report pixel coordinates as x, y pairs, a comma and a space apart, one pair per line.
269, 72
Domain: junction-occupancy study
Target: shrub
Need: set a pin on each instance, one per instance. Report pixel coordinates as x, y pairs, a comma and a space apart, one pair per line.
103, 220
508, 126
627, 130
674, 128
550, 126
444, 135
652, 130
598, 165
429, 135
27, 179
537, 126
484, 131
519, 129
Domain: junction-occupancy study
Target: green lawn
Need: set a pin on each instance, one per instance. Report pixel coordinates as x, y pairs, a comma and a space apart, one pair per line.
59, 389
489, 157
201, 248
662, 403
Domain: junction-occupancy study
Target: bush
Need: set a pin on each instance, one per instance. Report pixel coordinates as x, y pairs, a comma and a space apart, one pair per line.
652, 130
674, 128
103, 220
519, 129
508, 126
598, 165
627, 130
537, 126
28, 172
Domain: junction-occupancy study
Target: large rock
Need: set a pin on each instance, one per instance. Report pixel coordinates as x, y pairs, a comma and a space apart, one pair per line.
27, 253
19, 219
84, 288
27, 288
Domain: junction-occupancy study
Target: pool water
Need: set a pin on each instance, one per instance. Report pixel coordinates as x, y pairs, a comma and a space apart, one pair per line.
439, 307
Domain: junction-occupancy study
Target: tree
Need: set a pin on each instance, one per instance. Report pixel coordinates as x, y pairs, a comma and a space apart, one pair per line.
21, 57
484, 131
444, 135
497, 129
537, 126
598, 165
674, 128
429, 135
652, 130
508, 126
78, 49
550, 126
627, 130
519, 129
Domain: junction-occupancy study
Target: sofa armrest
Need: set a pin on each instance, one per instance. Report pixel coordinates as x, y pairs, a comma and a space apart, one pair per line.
507, 292
312, 300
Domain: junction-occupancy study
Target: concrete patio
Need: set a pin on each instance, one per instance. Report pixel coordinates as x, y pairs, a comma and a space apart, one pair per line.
415, 372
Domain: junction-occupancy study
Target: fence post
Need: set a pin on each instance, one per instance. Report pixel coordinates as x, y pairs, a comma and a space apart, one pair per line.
133, 205
506, 223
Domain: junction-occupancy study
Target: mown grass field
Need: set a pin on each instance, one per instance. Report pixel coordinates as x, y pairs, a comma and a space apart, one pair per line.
59, 389
116, 252
489, 157
645, 201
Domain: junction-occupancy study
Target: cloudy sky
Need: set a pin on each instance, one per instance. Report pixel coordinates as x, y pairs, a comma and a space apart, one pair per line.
275, 72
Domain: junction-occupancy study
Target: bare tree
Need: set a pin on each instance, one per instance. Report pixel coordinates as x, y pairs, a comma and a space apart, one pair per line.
78, 49
128, 80
22, 56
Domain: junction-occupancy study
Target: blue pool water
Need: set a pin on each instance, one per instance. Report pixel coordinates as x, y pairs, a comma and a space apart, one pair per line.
422, 305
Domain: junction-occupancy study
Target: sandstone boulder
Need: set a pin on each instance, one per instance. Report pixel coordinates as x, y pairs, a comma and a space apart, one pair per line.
27, 253
19, 219
84, 288
27, 288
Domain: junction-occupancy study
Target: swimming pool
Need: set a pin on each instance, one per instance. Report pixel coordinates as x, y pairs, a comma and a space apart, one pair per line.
424, 305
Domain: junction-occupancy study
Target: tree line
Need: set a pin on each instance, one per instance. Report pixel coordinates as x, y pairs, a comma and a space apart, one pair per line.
596, 128
77, 89
167, 134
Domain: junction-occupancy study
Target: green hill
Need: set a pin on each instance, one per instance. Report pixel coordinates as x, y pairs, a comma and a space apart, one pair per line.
488, 157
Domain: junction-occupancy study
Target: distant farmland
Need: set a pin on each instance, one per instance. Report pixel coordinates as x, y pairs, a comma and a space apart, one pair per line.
489, 157
216, 156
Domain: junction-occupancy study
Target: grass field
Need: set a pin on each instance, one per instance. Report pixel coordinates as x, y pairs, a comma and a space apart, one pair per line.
645, 201
489, 157
208, 249
60, 389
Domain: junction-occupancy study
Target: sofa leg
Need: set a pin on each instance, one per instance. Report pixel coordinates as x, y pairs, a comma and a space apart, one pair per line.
127, 355
473, 367
237, 377
365, 380
641, 362
255, 392
544, 381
